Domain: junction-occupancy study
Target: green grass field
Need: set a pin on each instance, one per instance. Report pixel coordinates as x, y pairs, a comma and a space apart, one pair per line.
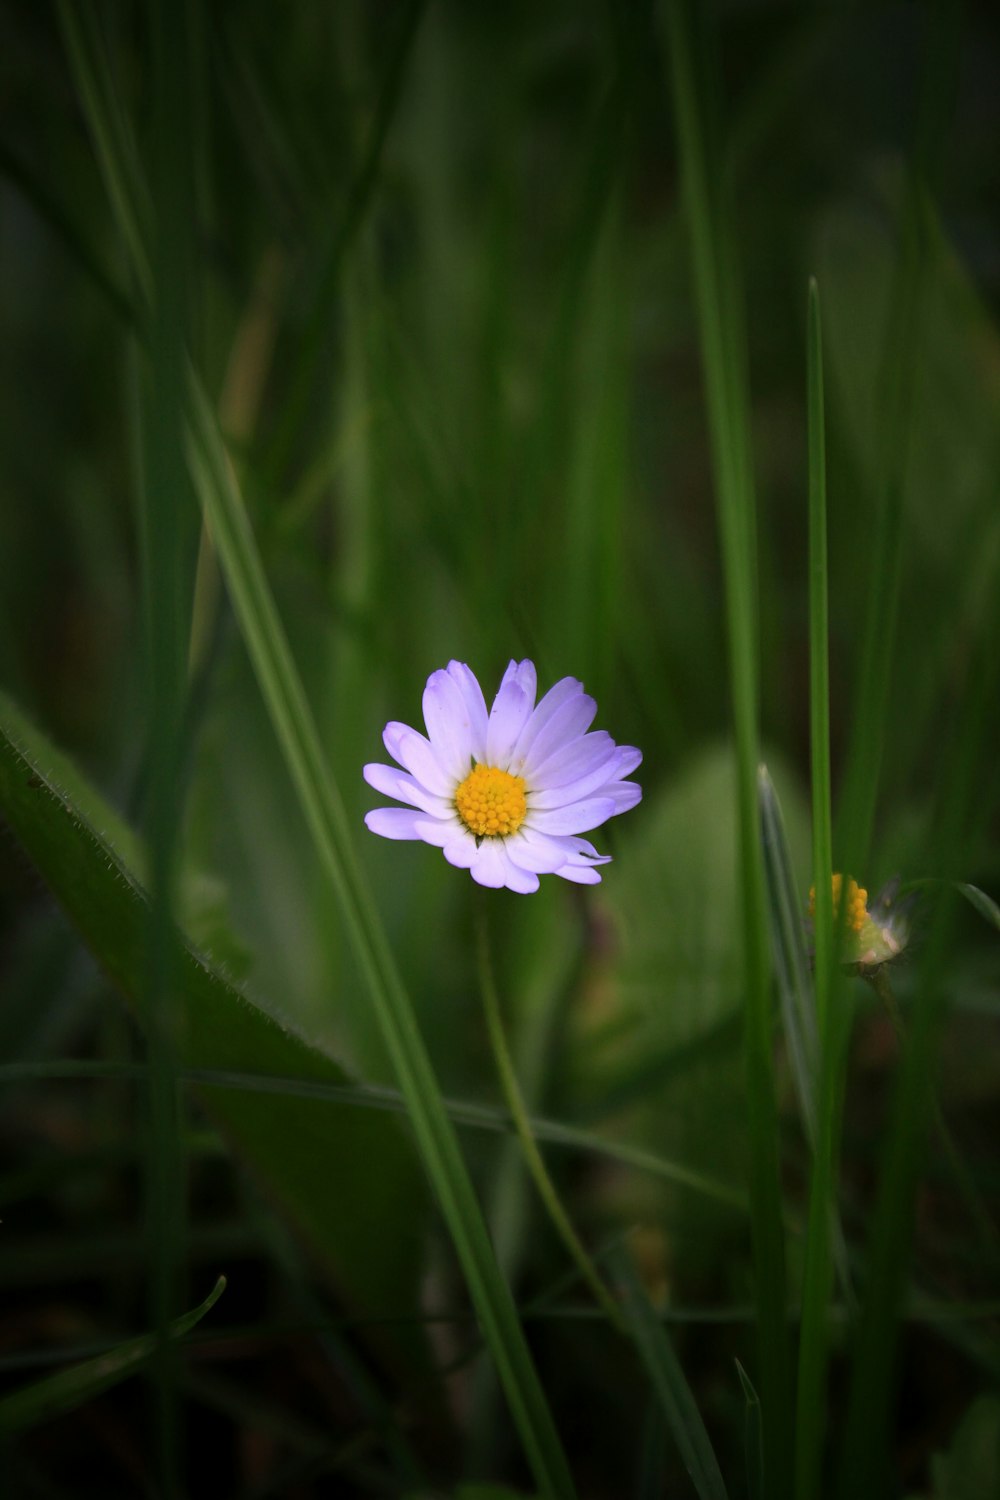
656, 344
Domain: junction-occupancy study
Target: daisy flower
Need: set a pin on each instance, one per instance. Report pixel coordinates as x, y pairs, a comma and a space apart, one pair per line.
505, 793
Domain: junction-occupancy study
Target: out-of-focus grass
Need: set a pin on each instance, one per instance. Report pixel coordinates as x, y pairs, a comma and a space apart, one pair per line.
442, 296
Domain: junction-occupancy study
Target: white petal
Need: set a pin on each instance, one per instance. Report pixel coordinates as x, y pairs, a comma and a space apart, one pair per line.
468, 686
631, 758
417, 755
441, 831
580, 874
460, 850
584, 852
597, 782
578, 817
489, 867
393, 783
493, 868
510, 712
624, 794
449, 723
570, 761
570, 720
395, 822
566, 687
524, 882
538, 852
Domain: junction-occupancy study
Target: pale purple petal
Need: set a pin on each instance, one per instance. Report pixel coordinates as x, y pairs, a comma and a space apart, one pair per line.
575, 759
579, 817
510, 712
537, 851
580, 874
624, 794
524, 882
582, 851
570, 720
631, 758
493, 868
417, 756
556, 696
448, 723
394, 822
475, 703
489, 866
460, 850
405, 788
597, 782
442, 831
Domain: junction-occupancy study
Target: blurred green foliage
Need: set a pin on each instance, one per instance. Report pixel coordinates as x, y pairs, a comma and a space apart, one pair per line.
442, 299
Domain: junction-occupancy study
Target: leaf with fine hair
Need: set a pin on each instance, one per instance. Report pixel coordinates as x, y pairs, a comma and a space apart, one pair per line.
331, 1169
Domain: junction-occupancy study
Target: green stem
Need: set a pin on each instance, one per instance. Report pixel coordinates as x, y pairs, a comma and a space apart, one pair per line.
723, 353
522, 1124
819, 1264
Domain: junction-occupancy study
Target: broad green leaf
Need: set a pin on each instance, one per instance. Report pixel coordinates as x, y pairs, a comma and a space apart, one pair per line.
332, 1169
71, 1388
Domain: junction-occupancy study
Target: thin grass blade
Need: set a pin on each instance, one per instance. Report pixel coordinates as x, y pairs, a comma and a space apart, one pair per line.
791, 958
668, 1381
724, 360
69, 1389
752, 1437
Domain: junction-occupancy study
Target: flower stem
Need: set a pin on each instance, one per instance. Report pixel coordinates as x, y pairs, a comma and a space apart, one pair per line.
519, 1114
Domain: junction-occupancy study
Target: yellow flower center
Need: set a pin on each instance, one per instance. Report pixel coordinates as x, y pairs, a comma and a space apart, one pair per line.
491, 802
857, 902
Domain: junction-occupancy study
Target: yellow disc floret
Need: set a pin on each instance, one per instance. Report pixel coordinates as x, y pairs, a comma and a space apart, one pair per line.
857, 902
491, 802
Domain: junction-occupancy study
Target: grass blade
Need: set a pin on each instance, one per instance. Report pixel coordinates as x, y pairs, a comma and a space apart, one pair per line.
824, 1239
112, 140
669, 1383
368, 1096
722, 343
753, 1437
71, 1388
791, 959
980, 902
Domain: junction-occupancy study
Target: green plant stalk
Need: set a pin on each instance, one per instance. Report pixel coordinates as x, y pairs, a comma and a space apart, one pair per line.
818, 1274
166, 507
897, 381
109, 134
668, 1382
286, 703
726, 388
522, 1125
